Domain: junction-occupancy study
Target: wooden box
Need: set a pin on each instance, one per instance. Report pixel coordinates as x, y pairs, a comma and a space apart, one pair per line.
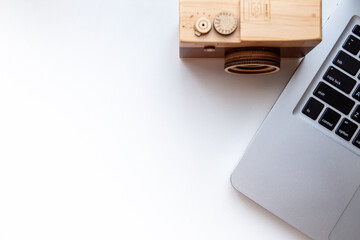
292, 26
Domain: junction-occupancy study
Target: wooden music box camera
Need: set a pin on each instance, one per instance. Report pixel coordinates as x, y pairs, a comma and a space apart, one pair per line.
252, 35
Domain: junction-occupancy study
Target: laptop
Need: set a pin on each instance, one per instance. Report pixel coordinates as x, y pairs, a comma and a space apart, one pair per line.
303, 164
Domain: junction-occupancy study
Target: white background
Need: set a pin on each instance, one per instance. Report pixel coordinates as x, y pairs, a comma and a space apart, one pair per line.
106, 134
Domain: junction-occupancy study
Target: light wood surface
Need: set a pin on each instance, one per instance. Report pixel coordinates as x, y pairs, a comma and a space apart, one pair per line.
264, 23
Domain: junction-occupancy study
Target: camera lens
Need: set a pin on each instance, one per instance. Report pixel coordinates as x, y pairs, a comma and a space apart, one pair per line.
252, 60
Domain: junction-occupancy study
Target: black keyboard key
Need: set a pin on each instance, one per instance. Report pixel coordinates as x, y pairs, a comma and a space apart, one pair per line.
347, 63
329, 119
356, 30
339, 80
334, 98
356, 114
346, 129
313, 108
356, 94
352, 44
356, 141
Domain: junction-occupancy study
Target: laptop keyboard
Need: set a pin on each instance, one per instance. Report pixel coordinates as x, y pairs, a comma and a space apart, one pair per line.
335, 101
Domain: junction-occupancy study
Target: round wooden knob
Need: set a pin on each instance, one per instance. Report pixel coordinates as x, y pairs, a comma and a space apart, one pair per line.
202, 26
254, 60
225, 23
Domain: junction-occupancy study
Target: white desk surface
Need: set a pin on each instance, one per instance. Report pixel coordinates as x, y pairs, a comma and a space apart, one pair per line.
106, 134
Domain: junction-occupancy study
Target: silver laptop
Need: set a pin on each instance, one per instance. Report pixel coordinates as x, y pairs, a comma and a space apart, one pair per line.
303, 165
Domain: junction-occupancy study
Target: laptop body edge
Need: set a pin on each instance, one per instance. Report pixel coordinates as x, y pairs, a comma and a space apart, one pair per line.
292, 169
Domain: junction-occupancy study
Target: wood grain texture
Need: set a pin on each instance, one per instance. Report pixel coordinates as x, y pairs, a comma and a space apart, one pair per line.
263, 23
190, 11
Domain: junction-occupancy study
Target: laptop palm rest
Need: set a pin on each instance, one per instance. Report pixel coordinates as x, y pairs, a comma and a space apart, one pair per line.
348, 225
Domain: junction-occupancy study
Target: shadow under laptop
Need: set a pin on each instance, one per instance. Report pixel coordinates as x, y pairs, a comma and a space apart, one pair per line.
242, 95
263, 215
